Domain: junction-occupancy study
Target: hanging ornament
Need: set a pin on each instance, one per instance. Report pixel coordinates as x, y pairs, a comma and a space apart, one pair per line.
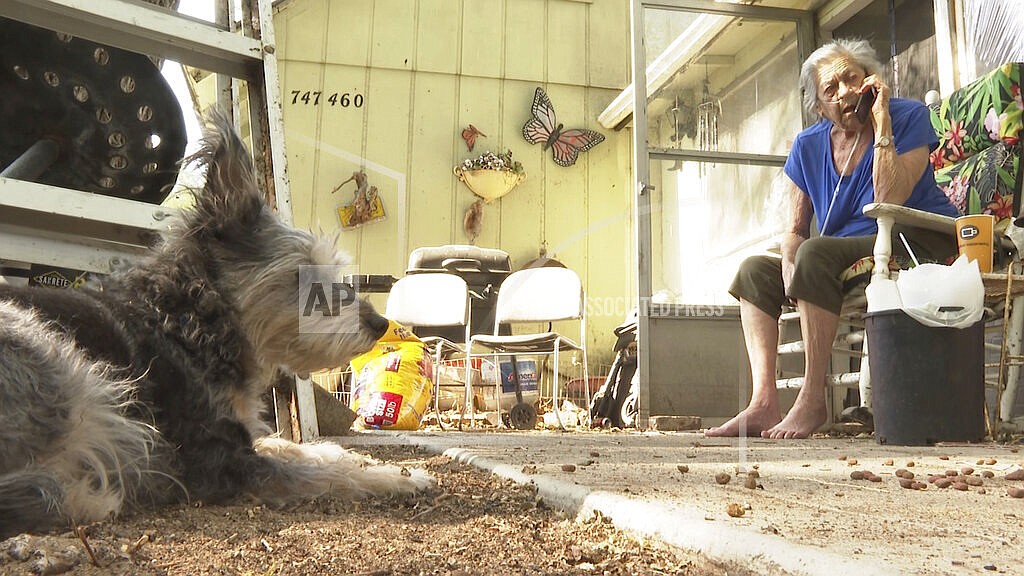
473, 220
366, 205
708, 112
470, 134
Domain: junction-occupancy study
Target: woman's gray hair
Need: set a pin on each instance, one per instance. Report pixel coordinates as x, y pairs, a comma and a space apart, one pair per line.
856, 49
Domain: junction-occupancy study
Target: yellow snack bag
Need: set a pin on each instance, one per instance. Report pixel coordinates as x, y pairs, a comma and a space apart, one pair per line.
392, 382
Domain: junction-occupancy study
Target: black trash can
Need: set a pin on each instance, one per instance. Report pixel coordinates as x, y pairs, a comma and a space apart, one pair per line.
928, 383
483, 269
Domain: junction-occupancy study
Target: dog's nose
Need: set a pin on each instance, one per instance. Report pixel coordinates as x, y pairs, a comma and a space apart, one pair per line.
376, 323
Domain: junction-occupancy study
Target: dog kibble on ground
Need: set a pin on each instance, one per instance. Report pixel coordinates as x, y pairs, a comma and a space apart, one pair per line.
735, 510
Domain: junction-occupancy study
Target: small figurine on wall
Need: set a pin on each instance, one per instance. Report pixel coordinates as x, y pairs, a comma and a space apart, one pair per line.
470, 134
366, 205
473, 220
565, 145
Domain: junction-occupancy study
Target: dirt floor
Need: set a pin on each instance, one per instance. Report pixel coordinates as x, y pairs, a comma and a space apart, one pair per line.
473, 523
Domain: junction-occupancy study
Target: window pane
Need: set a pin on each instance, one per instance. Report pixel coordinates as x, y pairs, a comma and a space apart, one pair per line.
706, 219
724, 83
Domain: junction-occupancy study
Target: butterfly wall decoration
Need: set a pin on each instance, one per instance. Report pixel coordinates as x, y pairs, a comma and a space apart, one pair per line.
470, 134
543, 129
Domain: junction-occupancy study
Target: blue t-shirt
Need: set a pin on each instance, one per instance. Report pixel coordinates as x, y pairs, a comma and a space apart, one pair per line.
810, 166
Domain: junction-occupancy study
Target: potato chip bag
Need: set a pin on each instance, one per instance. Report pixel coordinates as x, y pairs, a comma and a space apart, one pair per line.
392, 382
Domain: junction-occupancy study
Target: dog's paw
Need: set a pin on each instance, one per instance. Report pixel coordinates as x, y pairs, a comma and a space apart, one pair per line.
324, 453
391, 480
419, 479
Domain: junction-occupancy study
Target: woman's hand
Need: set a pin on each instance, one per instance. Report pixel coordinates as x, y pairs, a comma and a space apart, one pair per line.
880, 107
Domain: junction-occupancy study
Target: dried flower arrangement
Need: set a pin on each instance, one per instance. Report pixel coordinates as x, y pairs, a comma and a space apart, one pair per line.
491, 161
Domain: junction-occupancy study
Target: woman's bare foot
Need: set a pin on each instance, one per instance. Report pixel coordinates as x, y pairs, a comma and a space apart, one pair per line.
752, 421
801, 421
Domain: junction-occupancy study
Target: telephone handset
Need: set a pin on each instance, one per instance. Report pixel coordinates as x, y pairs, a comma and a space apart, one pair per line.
863, 108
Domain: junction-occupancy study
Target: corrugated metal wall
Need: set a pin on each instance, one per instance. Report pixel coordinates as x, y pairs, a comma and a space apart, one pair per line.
406, 76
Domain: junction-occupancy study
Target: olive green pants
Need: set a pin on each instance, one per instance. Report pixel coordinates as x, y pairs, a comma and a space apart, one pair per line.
820, 262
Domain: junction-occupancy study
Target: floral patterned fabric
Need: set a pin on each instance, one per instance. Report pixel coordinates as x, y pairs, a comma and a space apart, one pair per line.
978, 161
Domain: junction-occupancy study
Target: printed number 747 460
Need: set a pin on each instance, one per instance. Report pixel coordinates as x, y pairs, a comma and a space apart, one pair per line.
313, 98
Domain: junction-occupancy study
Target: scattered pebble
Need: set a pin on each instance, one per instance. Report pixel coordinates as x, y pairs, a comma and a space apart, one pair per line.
851, 462
722, 478
1015, 492
910, 464
988, 474
594, 453
750, 482
905, 474
735, 510
683, 468
990, 461
888, 462
943, 456
943, 482
906, 483
568, 467
961, 486
973, 480
952, 473
967, 470
857, 475
1017, 474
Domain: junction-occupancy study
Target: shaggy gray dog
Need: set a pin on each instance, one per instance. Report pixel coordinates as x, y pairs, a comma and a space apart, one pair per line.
148, 391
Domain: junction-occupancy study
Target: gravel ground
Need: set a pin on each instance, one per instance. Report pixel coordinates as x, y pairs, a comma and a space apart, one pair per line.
473, 523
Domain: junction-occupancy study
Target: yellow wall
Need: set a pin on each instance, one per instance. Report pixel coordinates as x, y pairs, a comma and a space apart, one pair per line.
425, 69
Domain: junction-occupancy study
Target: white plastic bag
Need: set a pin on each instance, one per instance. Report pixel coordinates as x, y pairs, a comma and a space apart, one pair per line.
943, 296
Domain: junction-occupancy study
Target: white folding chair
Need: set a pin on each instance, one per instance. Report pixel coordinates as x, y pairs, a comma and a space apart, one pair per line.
433, 300
535, 295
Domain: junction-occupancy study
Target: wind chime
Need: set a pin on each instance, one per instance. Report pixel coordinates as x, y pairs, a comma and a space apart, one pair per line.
708, 112
674, 112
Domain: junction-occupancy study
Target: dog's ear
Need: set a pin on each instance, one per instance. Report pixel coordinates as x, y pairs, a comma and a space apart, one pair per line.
230, 192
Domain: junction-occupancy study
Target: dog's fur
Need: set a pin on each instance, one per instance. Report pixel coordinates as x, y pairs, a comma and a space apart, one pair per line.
148, 391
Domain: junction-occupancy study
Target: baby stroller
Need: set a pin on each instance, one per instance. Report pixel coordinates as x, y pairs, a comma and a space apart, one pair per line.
615, 403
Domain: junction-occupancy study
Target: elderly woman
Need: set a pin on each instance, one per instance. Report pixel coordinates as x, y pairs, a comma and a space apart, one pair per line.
835, 167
